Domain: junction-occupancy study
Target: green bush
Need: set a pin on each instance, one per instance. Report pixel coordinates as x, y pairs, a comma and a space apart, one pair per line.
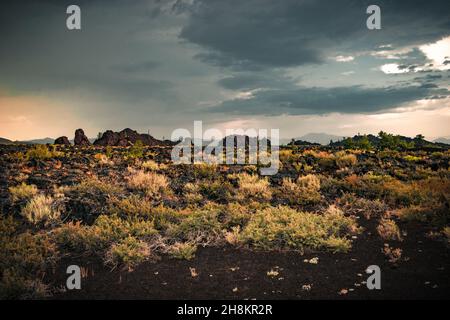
128, 253
136, 151
202, 226
40, 152
283, 227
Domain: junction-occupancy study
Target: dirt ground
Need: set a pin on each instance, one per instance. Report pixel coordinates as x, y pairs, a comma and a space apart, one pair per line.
229, 273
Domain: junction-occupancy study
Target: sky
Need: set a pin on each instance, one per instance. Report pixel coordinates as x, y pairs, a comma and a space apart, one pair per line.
300, 66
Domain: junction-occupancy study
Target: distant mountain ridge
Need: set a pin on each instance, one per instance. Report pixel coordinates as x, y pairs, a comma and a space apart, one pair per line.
321, 138
33, 141
445, 140
5, 141
39, 141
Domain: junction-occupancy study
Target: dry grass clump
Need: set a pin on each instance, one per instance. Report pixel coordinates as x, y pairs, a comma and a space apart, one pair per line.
150, 165
233, 236
94, 187
318, 154
103, 159
22, 192
192, 193
436, 213
310, 182
90, 198
39, 209
253, 187
283, 227
132, 206
183, 250
128, 253
357, 205
388, 230
414, 213
344, 160
153, 184
394, 255
304, 191
388, 188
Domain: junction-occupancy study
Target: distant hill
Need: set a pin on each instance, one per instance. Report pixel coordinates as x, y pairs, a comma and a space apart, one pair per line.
38, 141
5, 141
407, 142
445, 140
321, 138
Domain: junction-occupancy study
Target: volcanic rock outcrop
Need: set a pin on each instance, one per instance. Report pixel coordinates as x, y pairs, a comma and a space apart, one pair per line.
236, 139
81, 139
63, 141
128, 137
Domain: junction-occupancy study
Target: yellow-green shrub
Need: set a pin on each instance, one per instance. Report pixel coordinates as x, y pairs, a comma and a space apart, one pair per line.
128, 252
283, 227
253, 187
40, 152
153, 184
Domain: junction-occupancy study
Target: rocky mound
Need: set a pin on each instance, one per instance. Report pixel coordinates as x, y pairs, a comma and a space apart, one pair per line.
302, 143
62, 141
81, 139
128, 137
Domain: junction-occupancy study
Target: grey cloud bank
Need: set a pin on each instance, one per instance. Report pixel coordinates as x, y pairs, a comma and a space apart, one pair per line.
163, 64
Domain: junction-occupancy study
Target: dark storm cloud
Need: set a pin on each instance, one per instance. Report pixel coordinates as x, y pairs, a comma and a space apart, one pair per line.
250, 81
429, 77
354, 99
434, 79
39, 54
134, 52
143, 66
254, 34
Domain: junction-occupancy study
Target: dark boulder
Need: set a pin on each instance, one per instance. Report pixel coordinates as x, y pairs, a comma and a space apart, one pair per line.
81, 139
63, 141
108, 138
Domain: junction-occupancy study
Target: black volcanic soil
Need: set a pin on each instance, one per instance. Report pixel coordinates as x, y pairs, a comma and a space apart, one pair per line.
423, 273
